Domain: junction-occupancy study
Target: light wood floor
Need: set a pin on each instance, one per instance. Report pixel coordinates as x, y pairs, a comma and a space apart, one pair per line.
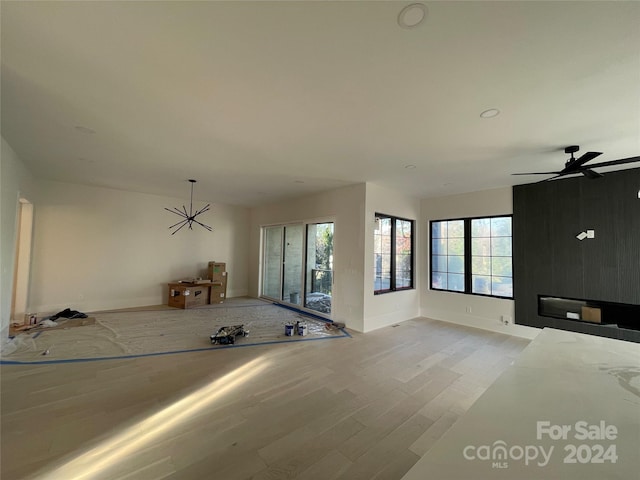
366, 407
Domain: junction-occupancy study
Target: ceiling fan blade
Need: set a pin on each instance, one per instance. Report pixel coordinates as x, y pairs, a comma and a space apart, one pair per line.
587, 172
537, 173
577, 163
616, 162
549, 179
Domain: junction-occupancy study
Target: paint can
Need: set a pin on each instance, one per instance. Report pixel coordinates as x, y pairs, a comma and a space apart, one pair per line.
302, 329
288, 330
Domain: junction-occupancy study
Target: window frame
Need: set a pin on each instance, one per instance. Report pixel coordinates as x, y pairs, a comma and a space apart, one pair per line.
468, 259
392, 282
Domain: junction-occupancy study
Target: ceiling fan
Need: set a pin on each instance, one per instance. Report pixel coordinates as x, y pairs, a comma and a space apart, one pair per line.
577, 165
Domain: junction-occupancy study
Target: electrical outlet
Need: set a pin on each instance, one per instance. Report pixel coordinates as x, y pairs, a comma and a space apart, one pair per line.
468, 309
506, 319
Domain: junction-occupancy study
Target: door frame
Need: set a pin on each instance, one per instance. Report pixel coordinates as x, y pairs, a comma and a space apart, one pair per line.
22, 261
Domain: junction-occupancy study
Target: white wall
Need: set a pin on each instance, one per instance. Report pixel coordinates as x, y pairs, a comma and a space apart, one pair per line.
353, 210
346, 206
486, 312
389, 308
98, 248
16, 182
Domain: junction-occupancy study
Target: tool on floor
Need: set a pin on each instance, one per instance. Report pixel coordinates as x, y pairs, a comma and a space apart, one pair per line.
227, 335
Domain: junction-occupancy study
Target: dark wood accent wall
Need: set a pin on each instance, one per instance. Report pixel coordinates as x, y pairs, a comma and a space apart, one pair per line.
550, 260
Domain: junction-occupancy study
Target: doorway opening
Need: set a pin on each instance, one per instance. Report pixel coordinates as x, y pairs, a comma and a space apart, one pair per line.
22, 264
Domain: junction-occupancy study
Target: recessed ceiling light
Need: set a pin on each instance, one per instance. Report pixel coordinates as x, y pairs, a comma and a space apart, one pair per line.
86, 130
492, 112
410, 167
412, 15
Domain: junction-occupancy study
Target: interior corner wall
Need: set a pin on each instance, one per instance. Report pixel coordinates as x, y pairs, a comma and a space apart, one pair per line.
346, 207
98, 248
15, 182
393, 307
485, 312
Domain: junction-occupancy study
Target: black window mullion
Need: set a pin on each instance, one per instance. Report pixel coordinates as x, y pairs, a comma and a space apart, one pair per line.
467, 255
412, 256
393, 253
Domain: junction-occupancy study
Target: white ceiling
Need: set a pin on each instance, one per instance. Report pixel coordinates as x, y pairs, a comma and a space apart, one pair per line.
260, 101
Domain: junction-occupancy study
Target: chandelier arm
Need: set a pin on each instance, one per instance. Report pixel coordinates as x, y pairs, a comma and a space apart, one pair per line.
177, 212
204, 209
203, 225
184, 222
175, 224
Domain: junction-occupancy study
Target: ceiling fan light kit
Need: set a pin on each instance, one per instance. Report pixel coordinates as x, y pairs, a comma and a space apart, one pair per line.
188, 218
577, 165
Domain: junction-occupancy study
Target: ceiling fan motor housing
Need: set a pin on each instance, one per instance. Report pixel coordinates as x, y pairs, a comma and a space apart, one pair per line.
572, 149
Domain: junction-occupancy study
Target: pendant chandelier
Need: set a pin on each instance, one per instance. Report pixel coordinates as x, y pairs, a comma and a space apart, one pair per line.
190, 217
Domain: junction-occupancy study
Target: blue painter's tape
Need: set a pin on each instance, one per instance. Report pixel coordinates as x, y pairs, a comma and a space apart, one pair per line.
142, 355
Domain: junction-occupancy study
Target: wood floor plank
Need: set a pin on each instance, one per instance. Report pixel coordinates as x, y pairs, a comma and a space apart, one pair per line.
296, 460
329, 467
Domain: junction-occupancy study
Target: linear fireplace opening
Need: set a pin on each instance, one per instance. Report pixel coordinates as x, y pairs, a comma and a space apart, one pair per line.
610, 314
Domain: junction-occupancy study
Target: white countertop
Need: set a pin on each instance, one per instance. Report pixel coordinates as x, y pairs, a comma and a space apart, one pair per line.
568, 397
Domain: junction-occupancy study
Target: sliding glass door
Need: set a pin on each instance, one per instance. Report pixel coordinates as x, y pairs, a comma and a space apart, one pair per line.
282, 268
319, 267
272, 268
298, 265
292, 268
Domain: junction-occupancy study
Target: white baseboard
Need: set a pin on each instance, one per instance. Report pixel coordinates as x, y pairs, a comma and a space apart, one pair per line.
481, 322
375, 322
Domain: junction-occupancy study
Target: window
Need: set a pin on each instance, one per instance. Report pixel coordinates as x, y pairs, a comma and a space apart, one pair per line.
393, 249
472, 255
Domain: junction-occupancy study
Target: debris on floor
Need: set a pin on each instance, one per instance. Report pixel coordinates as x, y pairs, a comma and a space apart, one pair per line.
68, 313
332, 326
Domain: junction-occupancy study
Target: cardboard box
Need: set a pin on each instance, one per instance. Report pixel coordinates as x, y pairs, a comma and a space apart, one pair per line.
218, 291
217, 271
183, 295
592, 314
